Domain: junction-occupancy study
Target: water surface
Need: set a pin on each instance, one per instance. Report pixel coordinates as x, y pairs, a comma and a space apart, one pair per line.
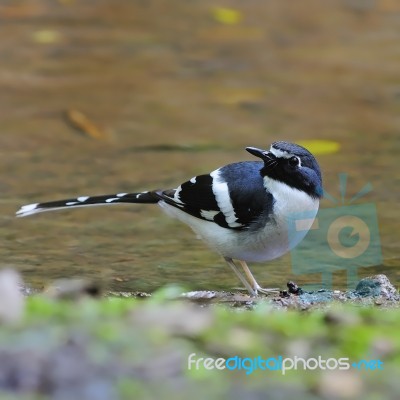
177, 92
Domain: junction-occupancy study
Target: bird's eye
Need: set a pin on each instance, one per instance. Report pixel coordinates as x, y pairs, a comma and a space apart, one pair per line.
294, 161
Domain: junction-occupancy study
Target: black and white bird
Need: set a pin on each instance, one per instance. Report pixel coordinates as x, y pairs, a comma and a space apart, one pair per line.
240, 210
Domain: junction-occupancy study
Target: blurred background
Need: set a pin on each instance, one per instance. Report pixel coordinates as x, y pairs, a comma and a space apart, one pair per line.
104, 96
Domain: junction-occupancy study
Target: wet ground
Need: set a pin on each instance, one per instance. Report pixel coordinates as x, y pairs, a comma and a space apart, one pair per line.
175, 89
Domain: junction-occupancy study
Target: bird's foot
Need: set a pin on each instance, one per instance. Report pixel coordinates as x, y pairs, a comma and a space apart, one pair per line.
266, 290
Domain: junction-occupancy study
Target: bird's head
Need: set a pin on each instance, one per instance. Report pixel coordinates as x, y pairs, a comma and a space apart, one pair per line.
291, 164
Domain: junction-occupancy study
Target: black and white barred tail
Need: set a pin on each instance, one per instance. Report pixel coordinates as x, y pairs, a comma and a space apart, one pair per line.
86, 201
233, 197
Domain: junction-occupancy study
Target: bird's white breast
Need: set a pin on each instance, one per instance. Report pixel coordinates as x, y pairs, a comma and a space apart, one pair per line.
290, 205
289, 201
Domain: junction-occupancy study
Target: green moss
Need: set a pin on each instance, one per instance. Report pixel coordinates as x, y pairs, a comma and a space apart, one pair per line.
142, 346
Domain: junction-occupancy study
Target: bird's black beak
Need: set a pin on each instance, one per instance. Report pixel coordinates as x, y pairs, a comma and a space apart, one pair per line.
265, 155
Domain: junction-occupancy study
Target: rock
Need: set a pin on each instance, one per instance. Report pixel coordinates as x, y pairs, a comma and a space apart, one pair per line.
72, 289
12, 301
340, 385
374, 290
376, 285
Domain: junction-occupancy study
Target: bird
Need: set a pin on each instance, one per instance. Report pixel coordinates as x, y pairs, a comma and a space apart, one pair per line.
240, 210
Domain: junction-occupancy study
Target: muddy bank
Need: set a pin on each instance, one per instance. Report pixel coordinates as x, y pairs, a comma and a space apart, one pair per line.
374, 290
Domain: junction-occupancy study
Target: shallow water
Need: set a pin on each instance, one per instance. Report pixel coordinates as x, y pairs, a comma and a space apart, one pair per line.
176, 91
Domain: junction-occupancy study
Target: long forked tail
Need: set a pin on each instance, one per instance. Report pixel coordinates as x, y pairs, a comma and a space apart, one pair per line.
86, 201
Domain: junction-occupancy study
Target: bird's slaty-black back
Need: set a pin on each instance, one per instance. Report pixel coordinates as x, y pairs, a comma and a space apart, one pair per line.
249, 199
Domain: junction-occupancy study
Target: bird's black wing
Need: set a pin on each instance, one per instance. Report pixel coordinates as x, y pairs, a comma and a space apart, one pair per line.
232, 196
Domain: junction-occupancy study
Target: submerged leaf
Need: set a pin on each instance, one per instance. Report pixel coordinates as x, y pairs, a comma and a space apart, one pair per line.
320, 146
46, 36
227, 16
80, 121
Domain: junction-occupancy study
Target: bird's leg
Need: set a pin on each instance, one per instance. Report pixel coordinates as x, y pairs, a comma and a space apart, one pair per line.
256, 287
246, 284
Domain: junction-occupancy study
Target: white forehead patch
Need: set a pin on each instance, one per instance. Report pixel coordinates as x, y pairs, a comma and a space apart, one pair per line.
283, 154
280, 153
